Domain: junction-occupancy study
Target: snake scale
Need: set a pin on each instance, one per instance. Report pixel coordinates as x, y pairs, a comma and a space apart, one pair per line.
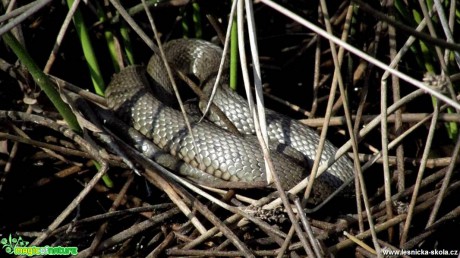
217, 154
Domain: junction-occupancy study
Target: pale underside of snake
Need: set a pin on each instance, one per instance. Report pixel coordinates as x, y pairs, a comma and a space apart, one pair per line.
216, 154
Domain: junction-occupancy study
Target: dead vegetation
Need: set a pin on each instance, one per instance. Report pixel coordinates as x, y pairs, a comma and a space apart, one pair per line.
403, 133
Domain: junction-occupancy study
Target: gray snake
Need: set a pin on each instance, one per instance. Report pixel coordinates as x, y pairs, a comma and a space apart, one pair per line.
217, 154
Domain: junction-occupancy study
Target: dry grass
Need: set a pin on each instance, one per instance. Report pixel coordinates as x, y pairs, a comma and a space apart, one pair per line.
398, 121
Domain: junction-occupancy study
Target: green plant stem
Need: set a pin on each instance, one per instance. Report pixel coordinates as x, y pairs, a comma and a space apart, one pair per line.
184, 24
197, 20
88, 51
234, 55
43, 81
109, 38
124, 32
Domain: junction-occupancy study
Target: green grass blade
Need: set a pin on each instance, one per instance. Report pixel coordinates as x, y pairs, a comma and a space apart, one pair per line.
109, 38
197, 20
234, 55
124, 32
88, 51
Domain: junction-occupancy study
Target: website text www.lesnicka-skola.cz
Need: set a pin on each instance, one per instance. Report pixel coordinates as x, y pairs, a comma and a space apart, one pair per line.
414, 252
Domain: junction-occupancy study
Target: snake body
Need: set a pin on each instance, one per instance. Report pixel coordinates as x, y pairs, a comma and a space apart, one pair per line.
216, 152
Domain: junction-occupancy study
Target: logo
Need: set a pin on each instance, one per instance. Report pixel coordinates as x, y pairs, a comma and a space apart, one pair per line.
17, 246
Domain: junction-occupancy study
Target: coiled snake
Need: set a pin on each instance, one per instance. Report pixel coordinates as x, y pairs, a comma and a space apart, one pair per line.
217, 154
